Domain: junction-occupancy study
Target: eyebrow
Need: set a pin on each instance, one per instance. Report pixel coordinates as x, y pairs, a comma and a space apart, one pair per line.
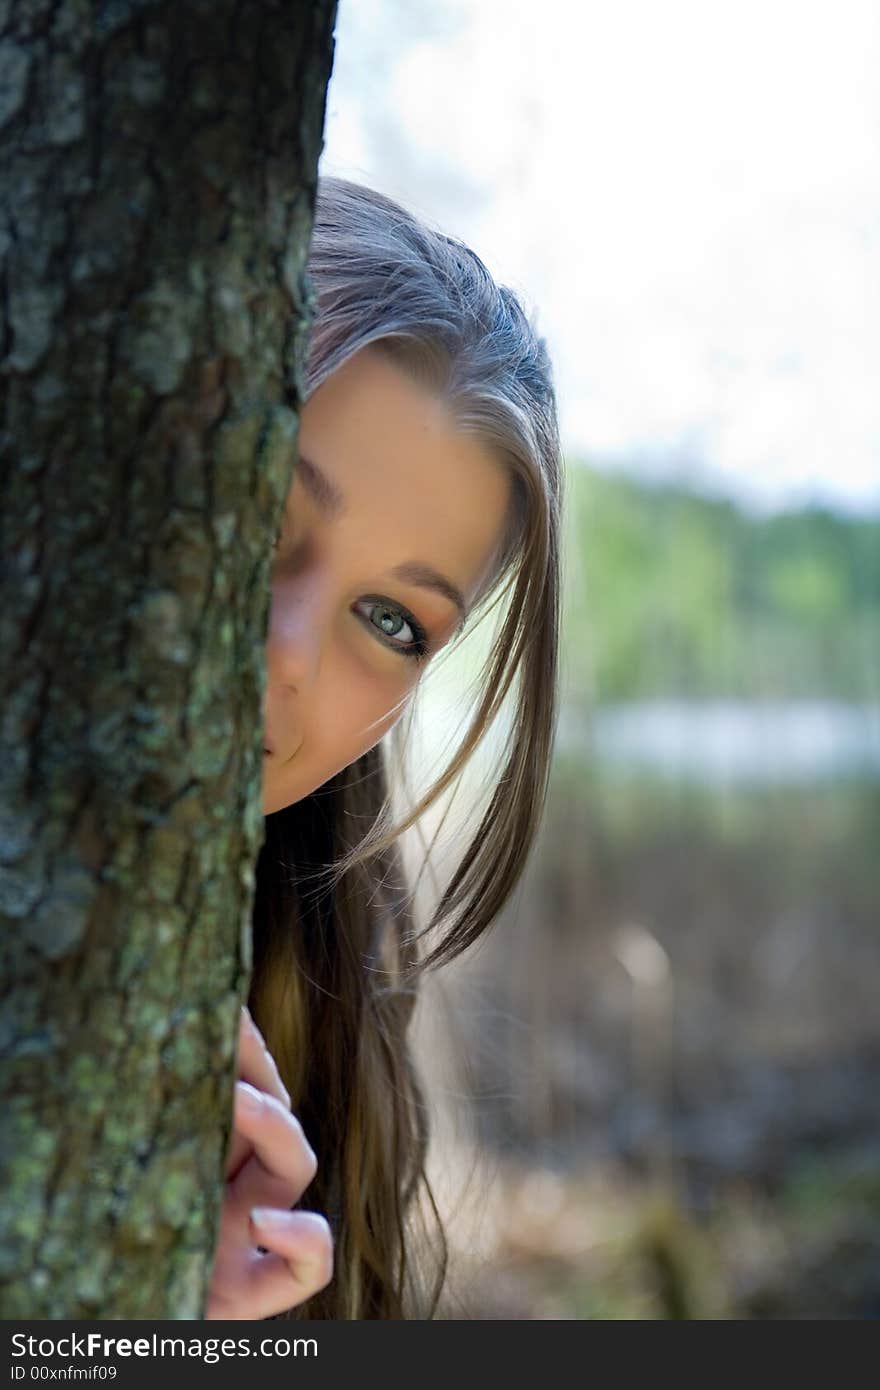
326, 495
323, 492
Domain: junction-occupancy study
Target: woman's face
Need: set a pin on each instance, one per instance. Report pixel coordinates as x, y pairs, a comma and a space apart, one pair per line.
392, 522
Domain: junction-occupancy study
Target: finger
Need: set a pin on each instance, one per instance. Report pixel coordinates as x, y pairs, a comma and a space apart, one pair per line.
285, 1161
300, 1262
256, 1063
238, 1151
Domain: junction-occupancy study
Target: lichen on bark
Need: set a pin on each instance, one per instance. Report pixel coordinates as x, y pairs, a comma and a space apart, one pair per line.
158, 173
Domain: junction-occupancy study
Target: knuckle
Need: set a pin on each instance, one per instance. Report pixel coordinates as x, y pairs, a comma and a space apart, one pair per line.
326, 1266
308, 1153
301, 1150
283, 1096
311, 1163
320, 1245
279, 1112
308, 1165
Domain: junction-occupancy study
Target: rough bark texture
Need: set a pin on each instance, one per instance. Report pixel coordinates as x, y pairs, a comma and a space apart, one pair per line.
158, 173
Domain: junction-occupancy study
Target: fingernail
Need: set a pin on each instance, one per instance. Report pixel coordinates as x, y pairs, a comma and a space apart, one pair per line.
248, 1097
271, 1220
268, 1220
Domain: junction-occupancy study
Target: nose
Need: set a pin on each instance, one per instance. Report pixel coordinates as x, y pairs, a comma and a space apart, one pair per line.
297, 619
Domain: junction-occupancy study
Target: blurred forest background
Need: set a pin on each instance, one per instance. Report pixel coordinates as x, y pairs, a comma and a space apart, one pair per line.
655, 1083
662, 1066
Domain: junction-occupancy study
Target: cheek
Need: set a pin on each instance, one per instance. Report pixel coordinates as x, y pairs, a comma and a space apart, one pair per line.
350, 719
358, 696
363, 702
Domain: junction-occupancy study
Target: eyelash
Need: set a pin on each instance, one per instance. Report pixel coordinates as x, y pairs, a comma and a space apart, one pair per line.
417, 650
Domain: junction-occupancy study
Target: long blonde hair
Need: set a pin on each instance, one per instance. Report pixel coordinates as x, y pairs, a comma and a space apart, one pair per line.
336, 954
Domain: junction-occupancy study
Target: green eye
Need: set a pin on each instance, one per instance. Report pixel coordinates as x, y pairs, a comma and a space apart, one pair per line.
389, 619
389, 616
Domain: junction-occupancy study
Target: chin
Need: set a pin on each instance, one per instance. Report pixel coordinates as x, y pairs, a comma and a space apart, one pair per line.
272, 804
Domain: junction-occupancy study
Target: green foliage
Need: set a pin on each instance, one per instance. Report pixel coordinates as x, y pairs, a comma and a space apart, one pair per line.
670, 593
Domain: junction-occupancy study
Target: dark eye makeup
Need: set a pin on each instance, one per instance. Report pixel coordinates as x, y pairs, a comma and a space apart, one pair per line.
417, 649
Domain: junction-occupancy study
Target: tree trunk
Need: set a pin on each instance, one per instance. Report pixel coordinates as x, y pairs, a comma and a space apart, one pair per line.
158, 172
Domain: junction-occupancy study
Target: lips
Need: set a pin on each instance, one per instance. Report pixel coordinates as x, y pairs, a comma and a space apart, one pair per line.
269, 751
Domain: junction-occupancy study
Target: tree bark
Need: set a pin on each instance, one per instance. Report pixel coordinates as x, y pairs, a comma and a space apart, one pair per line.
158, 164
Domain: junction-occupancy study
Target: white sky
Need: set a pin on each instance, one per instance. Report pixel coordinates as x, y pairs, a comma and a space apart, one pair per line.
687, 191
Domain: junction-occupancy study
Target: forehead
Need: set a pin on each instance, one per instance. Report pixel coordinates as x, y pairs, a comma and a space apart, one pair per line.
400, 467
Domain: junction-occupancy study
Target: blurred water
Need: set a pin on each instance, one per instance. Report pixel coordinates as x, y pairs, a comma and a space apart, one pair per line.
731, 741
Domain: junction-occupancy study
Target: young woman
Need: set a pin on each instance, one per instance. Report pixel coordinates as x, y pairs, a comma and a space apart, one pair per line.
428, 484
